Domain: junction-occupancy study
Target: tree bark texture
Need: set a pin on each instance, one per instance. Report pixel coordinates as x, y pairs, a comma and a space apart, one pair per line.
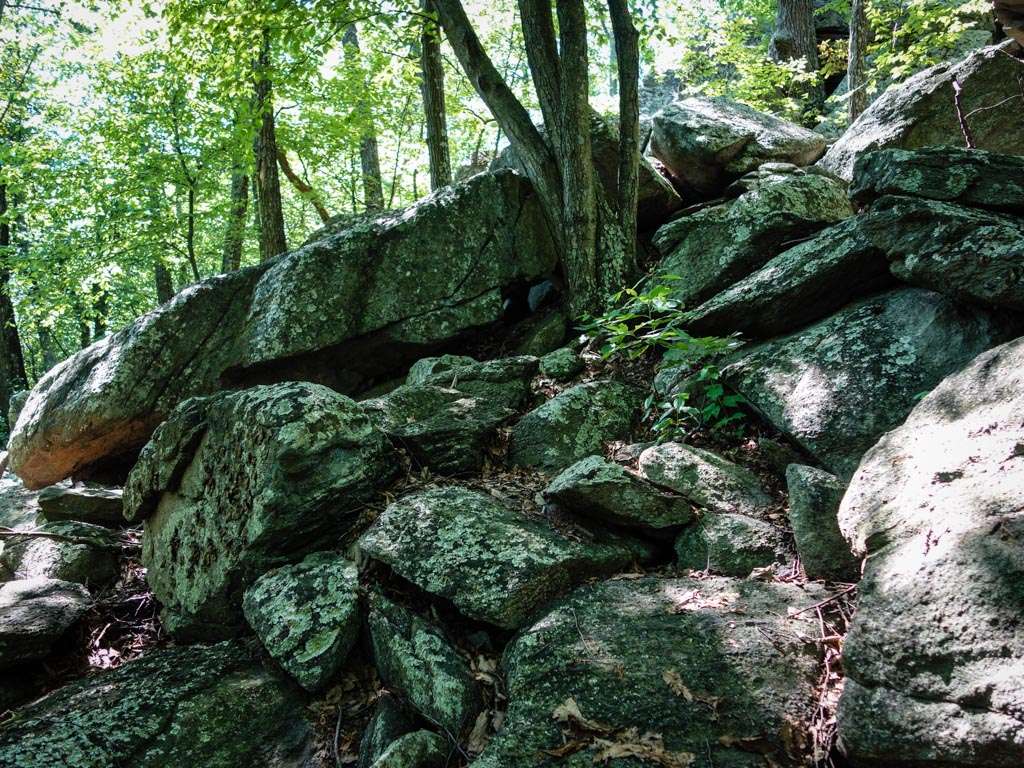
305, 190
12, 361
432, 89
272, 235
856, 70
626, 44
794, 38
369, 155
234, 235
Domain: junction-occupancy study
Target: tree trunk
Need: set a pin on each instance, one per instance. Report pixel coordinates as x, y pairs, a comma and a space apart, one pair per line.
12, 362
432, 88
626, 43
101, 308
369, 156
856, 70
795, 38
272, 234
163, 281
305, 190
234, 235
190, 238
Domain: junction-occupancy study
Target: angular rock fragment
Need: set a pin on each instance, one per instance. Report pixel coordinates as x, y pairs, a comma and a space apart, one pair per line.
814, 497
420, 749
77, 552
562, 364
84, 504
34, 614
731, 545
504, 381
390, 721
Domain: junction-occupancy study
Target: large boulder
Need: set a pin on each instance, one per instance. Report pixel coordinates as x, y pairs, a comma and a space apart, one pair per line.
79, 552
836, 386
669, 672
921, 111
238, 483
173, 708
356, 304
495, 564
307, 616
715, 247
34, 614
935, 653
705, 143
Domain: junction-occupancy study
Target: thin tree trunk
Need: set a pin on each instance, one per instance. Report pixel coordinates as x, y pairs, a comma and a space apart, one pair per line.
432, 88
101, 308
272, 234
164, 283
234, 235
305, 190
369, 155
190, 239
795, 38
12, 361
856, 70
626, 43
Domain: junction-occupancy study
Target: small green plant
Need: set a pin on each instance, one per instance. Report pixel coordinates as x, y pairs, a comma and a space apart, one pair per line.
645, 320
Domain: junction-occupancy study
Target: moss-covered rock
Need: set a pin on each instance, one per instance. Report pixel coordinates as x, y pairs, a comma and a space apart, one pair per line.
390, 720
86, 504
814, 497
575, 424
34, 614
416, 659
173, 708
420, 749
731, 545
307, 616
421, 370
79, 552
562, 364
504, 381
239, 483
601, 489
494, 564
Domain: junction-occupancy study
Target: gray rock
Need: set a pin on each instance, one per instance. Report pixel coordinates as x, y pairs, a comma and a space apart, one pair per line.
86, 504
705, 143
78, 552
935, 653
836, 386
920, 111
720, 245
705, 478
972, 177
421, 749
541, 333
440, 428
14, 406
814, 497
699, 670
390, 721
504, 381
355, 306
243, 482
731, 545
422, 369
307, 616
598, 488
19, 507
802, 284
414, 658
562, 365
173, 708
494, 564
574, 424
34, 614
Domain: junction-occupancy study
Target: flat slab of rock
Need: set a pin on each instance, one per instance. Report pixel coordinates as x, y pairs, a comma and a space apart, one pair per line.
705, 143
354, 305
720, 245
494, 564
415, 658
705, 478
172, 708
504, 381
79, 552
836, 386
971, 177
601, 489
307, 616
234, 485
814, 497
677, 671
86, 504
34, 614
920, 111
730, 545
574, 424
935, 653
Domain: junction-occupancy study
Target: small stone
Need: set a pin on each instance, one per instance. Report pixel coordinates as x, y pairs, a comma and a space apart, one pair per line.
732, 545
77, 552
541, 333
562, 364
35, 614
415, 658
307, 616
705, 478
421, 370
420, 749
390, 721
100, 506
598, 488
504, 381
814, 497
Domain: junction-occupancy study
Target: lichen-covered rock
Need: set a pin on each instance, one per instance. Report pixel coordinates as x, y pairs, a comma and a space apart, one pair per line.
355, 305
14, 406
86, 504
562, 364
717, 246
420, 749
79, 552
705, 478
238, 483
574, 424
731, 545
705, 673
814, 497
972, 177
422, 369
414, 658
836, 386
935, 654
705, 143
504, 381
440, 428
307, 616
173, 708
494, 564
921, 111
390, 720
34, 614
598, 488
802, 284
